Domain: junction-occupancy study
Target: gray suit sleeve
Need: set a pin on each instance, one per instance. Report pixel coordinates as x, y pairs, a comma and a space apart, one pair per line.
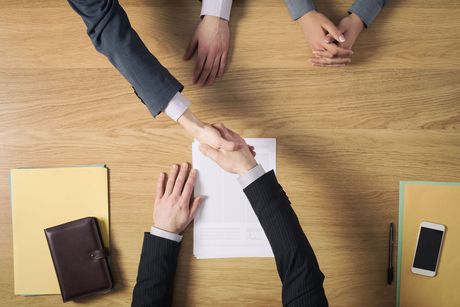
367, 10
111, 33
298, 8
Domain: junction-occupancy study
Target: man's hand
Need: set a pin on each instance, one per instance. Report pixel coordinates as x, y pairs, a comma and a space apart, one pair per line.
212, 39
174, 207
238, 161
320, 32
207, 134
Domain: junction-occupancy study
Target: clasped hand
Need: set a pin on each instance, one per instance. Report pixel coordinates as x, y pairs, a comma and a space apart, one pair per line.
331, 45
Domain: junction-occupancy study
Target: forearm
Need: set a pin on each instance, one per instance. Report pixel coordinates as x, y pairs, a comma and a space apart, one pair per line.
298, 8
157, 267
295, 260
190, 122
111, 33
367, 10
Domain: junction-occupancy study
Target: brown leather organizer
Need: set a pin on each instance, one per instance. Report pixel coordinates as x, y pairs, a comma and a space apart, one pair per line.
79, 258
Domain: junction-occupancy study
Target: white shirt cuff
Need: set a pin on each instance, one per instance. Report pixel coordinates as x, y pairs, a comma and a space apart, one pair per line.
177, 106
218, 8
165, 234
252, 175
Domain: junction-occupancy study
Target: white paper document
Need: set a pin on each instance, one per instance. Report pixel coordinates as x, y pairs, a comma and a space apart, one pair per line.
226, 225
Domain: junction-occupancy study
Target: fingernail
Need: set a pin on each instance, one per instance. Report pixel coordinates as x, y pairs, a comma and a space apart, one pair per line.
174, 166
341, 38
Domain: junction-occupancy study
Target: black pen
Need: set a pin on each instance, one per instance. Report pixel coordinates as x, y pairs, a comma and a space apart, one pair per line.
390, 256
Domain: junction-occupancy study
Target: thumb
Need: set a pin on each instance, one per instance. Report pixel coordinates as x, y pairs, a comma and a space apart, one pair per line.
332, 30
209, 152
228, 145
226, 135
224, 132
349, 42
197, 201
191, 48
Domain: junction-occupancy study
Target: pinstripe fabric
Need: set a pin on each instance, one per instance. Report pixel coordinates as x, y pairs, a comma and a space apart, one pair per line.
295, 260
155, 277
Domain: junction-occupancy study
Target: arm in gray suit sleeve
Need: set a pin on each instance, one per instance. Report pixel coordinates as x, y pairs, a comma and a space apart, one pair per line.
367, 10
111, 33
298, 8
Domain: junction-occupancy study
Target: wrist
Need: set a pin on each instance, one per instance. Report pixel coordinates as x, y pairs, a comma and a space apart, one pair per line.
214, 18
166, 228
190, 123
308, 15
246, 167
356, 20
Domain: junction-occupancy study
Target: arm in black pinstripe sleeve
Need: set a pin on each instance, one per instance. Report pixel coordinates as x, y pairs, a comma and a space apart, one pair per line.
295, 260
155, 277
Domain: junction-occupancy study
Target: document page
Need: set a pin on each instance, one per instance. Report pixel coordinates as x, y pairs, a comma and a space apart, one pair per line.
226, 225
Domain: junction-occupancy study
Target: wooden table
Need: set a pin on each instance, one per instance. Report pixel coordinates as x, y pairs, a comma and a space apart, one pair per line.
346, 137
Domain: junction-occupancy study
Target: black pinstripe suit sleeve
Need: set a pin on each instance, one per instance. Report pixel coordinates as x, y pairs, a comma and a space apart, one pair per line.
295, 260
157, 267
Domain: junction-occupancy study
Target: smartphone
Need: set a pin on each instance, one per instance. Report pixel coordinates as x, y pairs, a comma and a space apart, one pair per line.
428, 249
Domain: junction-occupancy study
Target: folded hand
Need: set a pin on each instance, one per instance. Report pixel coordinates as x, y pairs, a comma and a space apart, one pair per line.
350, 27
320, 32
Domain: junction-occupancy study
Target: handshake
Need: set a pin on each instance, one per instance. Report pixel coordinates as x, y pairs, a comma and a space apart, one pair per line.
225, 147
175, 207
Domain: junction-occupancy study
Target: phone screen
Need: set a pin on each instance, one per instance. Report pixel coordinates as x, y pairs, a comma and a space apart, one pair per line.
429, 243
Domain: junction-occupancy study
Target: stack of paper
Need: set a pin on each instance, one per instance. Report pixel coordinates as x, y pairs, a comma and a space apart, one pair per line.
226, 225
41, 198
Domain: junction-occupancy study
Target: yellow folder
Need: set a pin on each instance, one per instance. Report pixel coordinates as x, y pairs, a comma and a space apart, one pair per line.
436, 202
41, 198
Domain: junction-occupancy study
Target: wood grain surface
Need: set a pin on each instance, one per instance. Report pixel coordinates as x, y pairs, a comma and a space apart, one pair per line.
346, 137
